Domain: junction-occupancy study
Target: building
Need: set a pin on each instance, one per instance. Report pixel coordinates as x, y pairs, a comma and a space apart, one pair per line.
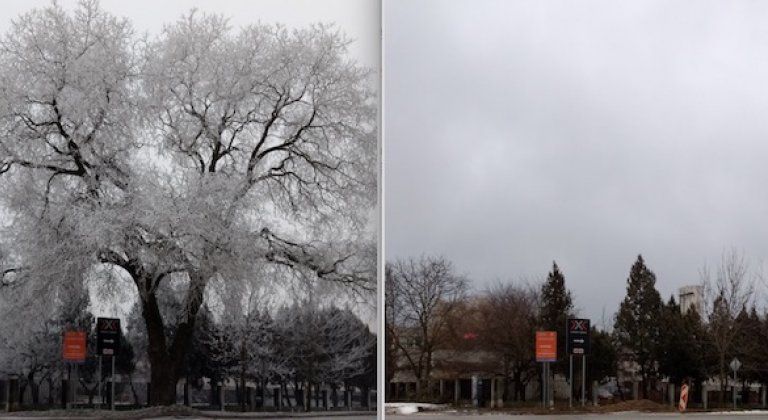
691, 296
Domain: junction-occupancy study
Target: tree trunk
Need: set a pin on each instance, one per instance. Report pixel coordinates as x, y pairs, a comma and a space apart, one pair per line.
133, 391
285, 396
33, 388
51, 392
214, 400
22, 391
166, 361
519, 392
243, 355
723, 386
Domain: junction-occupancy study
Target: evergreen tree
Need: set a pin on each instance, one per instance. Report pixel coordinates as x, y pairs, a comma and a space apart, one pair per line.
203, 360
761, 357
637, 326
682, 344
748, 348
556, 308
602, 360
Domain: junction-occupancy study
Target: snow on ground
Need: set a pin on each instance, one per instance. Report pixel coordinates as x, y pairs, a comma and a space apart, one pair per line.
411, 408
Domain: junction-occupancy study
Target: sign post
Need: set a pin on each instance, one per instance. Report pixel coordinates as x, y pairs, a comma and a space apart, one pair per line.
99, 381
578, 343
735, 365
583, 379
73, 384
546, 352
108, 344
570, 381
73, 352
74, 347
112, 386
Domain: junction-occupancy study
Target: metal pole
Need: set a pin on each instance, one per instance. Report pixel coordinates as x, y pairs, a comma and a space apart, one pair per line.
546, 387
222, 395
546, 396
100, 400
583, 379
69, 384
570, 381
7, 393
734, 389
112, 385
543, 383
74, 388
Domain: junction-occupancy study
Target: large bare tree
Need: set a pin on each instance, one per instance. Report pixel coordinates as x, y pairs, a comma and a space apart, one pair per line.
199, 154
421, 295
727, 292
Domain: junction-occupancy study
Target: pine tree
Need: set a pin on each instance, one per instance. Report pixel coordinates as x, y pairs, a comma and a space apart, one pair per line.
602, 361
556, 308
748, 348
637, 326
682, 344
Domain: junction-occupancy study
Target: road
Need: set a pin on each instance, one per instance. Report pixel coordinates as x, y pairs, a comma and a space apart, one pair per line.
371, 417
260, 417
607, 416
202, 416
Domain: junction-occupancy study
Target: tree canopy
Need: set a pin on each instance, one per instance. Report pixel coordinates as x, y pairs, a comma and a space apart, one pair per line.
203, 153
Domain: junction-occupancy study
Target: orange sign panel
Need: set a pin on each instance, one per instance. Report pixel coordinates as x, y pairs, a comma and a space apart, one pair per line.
546, 346
74, 346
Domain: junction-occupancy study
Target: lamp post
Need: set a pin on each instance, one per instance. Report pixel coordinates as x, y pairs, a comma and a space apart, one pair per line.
735, 365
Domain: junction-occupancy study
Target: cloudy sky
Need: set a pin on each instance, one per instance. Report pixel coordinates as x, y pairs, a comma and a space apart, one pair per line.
522, 132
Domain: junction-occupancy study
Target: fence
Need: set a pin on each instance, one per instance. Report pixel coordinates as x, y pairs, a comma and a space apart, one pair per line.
16, 394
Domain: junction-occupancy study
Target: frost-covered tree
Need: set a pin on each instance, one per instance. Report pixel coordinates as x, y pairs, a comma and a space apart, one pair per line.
329, 345
199, 154
31, 337
243, 345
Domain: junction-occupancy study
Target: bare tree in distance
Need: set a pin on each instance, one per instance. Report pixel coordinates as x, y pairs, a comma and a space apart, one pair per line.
200, 154
727, 291
510, 315
420, 297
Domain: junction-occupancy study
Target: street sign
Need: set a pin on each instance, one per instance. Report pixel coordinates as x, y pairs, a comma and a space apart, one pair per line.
735, 364
107, 336
546, 346
74, 348
683, 398
577, 340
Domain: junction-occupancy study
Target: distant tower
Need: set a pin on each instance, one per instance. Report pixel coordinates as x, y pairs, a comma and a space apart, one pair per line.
691, 296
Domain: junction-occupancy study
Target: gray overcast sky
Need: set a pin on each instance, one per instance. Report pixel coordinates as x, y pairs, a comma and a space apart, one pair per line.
521, 132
